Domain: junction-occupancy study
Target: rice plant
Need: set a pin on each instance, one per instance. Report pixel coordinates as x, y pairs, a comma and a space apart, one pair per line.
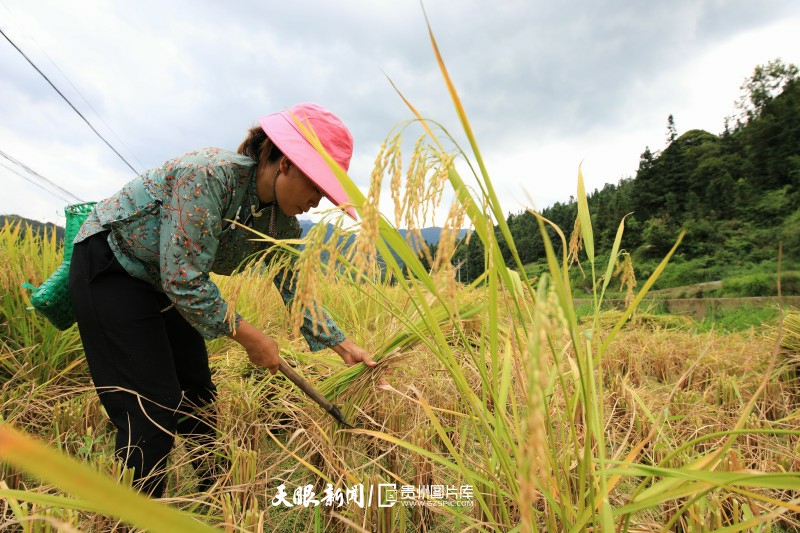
35, 347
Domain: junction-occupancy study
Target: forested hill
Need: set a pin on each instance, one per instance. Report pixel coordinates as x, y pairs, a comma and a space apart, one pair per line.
736, 194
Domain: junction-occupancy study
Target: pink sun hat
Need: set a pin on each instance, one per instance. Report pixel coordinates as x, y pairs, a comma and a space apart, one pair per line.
283, 131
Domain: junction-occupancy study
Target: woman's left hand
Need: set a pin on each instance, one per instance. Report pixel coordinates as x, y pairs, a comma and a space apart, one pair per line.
351, 353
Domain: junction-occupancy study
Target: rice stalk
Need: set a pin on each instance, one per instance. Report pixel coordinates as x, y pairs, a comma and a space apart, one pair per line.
31, 258
790, 336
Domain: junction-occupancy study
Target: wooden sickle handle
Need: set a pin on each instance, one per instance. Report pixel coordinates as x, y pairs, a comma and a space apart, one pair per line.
304, 385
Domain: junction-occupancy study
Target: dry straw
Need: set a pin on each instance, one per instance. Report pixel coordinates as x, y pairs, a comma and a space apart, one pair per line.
790, 336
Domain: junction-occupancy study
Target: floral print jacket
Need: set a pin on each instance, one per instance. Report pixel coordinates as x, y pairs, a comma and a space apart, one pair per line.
170, 227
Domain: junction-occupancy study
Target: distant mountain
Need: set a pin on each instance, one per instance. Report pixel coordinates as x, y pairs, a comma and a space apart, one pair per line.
307, 225
430, 235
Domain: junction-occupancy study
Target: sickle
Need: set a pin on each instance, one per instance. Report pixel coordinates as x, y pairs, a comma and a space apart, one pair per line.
312, 393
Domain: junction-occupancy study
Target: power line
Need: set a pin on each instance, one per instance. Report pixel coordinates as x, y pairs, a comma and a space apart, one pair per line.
26, 178
78, 91
65, 194
67, 100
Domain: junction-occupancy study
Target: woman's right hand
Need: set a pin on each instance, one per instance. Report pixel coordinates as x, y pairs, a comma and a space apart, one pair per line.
262, 350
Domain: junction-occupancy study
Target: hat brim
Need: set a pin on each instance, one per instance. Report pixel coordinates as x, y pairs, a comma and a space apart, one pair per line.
283, 132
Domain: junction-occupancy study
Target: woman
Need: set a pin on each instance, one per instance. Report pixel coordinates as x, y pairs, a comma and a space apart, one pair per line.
140, 285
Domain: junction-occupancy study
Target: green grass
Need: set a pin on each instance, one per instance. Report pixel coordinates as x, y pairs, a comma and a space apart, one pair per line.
764, 284
741, 318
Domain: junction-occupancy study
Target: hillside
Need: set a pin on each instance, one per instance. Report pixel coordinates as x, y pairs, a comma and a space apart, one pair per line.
736, 194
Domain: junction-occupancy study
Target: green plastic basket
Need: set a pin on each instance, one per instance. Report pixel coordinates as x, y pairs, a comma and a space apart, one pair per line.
51, 298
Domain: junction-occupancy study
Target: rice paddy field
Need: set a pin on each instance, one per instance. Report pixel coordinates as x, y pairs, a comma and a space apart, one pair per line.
493, 406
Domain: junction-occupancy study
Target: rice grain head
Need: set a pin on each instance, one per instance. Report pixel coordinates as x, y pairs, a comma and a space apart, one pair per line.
363, 253
307, 272
627, 277
534, 453
576, 245
396, 180
416, 178
443, 264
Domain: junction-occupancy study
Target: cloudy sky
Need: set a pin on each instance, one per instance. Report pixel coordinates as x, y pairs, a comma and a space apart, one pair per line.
547, 85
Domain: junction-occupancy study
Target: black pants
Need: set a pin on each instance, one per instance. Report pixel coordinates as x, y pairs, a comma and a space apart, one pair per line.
148, 364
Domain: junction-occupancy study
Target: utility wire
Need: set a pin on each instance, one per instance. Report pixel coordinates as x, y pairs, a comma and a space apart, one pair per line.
67, 100
78, 91
26, 178
65, 194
